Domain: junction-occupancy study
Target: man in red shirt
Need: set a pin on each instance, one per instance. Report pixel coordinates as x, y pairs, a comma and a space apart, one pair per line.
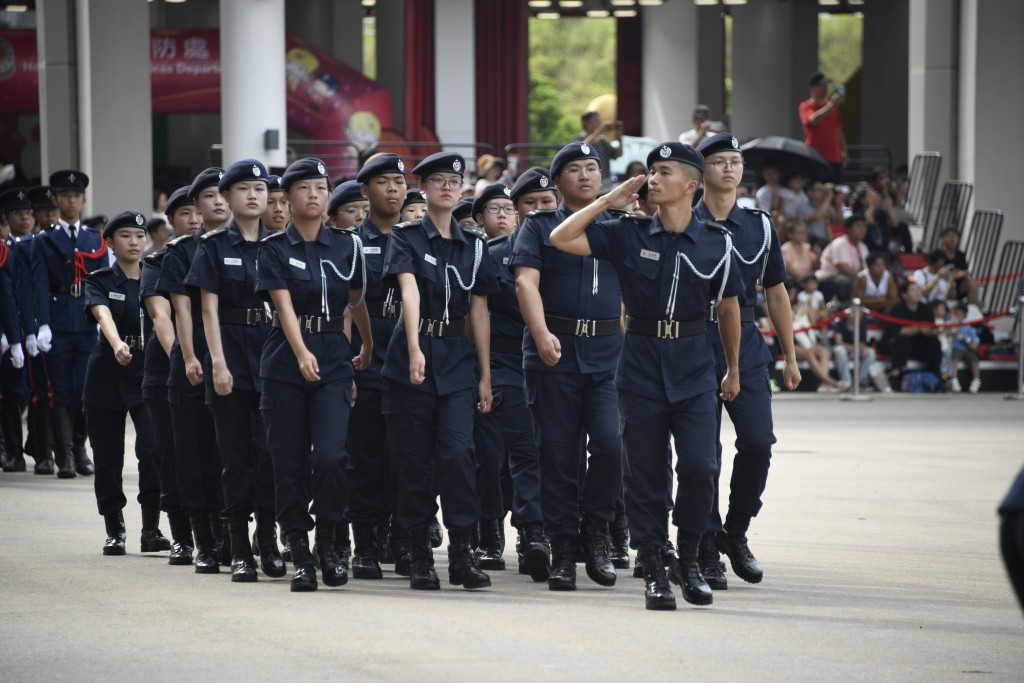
823, 127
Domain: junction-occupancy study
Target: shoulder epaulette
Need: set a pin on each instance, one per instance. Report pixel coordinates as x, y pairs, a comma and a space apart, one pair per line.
179, 240
619, 213
99, 271
156, 255
717, 227
207, 235
755, 210
499, 238
540, 212
407, 224
474, 231
272, 236
342, 231
637, 218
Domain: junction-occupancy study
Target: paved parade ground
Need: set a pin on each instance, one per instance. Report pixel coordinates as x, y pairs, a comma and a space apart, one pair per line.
878, 538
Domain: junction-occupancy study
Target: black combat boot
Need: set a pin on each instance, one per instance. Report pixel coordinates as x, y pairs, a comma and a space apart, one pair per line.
657, 591
10, 417
594, 541
462, 568
618, 530
365, 564
42, 446
563, 563
325, 553
152, 540
206, 545
536, 552
685, 572
436, 533
732, 542
181, 534
384, 545
710, 562
343, 544
492, 544
79, 433
243, 565
271, 560
62, 443
221, 540
304, 579
422, 576
116, 533
401, 554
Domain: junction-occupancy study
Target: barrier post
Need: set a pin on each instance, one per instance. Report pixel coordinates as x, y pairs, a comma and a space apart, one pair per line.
1019, 395
856, 395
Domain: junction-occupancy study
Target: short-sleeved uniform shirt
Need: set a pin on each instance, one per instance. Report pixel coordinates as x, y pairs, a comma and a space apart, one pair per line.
576, 287
506, 318
108, 384
750, 233
225, 264
157, 363
176, 264
418, 248
375, 248
645, 256
318, 276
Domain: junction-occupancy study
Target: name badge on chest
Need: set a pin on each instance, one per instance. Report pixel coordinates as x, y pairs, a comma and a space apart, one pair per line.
371, 250
430, 259
297, 263
229, 261
116, 296
652, 255
505, 260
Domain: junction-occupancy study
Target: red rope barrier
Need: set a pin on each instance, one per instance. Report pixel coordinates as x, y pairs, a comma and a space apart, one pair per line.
821, 323
943, 326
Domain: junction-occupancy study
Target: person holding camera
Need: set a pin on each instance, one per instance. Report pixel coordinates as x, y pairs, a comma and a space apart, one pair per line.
934, 278
594, 130
823, 126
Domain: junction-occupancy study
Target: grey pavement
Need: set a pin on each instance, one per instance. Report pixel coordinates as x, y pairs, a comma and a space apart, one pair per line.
878, 537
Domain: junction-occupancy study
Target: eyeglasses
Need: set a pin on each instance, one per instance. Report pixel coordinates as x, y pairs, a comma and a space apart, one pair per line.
354, 211
726, 163
441, 182
495, 210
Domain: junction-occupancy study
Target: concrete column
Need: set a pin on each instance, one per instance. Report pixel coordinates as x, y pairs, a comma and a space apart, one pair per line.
58, 99
774, 50
252, 58
670, 58
711, 59
114, 105
391, 54
334, 27
455, 74
884, 103
933, 102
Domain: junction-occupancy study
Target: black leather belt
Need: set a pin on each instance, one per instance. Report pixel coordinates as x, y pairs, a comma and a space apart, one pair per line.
510, 345
315, 324
76, 289
665, 329
244, 316
582, 328
439, 328
746, 315
135, 343
382, 309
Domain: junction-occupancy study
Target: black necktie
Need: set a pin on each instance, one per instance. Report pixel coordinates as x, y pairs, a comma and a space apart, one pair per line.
71, 231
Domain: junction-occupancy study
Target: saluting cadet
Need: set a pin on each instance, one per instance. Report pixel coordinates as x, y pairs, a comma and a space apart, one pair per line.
197, 461
237, 322
671, 267
372, 469
759, 254
15, 289
348, 206
113, 385
310, 273
61, 258
183, 219
572, 308
276, 215
430, 381
415, 206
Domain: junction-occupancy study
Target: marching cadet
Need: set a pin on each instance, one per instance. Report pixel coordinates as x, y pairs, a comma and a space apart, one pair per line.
183, 219
671, 267
572, 308
463, 213
197, 461
43, 207
348, 206
372, 470
60, 260
15, 292
310, 272
415, 206
533, 191
113, 385
430, 381
276, 215
237, 323
759, 255
506, 433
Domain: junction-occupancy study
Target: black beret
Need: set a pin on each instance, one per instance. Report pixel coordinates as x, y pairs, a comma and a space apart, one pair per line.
534, 179
442, 162
17, 199
274, 183
125, 219
178, 199
41, 197
495, 191
349, 191
574, 151
305, 169
379, 164
463, 210
69, 181
414, 197
676, 151
209, 177
243, 171
723, 142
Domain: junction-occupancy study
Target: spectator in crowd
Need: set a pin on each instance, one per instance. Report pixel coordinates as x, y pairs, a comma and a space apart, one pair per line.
881, 182
842, 352
966, 287
593, 134
934, 279
800, 257
885, 231
159, 232
635, 168
702, 127
840, 209
807, 348
159, 203
945, 335
823, 127
875, 285
769, 195
842, 259
920, 341
811, 296
965, 348
489, 170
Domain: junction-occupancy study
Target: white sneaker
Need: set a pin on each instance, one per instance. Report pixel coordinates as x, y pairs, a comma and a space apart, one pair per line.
954, 386
975, 385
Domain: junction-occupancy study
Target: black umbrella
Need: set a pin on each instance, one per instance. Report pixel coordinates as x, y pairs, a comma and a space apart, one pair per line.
791, 156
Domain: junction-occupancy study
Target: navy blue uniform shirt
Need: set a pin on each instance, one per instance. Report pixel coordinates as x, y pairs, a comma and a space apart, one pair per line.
375, 247
176, 264
419, 249
305, 269
645, 256
567, 288
8, 309
225, 264
24, 289
57, 263
158, 365
506, 318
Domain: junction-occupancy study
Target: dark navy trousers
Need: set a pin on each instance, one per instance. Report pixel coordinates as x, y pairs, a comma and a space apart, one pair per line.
197, 462
372, 467
163, 431
248, 473
106, 433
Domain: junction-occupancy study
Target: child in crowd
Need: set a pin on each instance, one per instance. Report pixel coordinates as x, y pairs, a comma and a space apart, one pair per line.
945, 335
965, 347
811, 296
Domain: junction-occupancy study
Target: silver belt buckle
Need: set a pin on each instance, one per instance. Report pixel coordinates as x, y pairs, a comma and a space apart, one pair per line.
309, 324
668, 329
76, 289
430, 328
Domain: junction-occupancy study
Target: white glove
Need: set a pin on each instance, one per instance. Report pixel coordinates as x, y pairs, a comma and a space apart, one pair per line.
3, 344
17, 357
31, 345
44, 338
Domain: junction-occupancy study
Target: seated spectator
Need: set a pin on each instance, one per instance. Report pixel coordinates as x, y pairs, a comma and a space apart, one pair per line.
880, 181
884, 230
945, 335
934, 278
769, 195
840, 209
965, 348
842, 352
920, 341
875, 285
811, 296
806, 346
966, 285
842, 259
811, 207
800, 257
